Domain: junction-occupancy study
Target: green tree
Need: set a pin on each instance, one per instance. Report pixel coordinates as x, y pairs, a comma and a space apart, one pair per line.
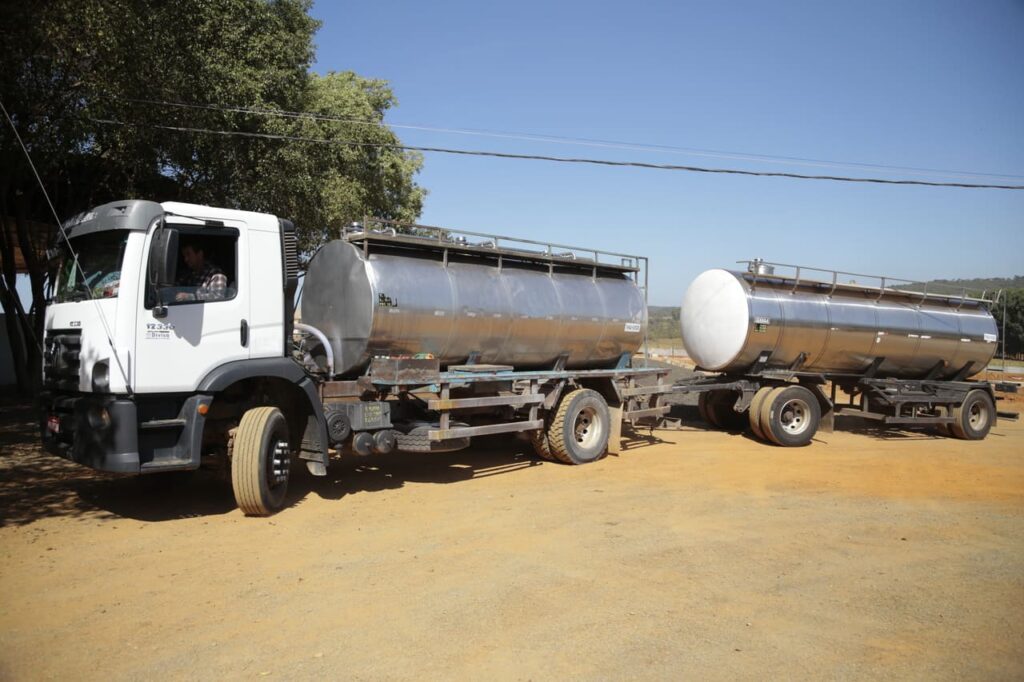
1014, 318
72, 73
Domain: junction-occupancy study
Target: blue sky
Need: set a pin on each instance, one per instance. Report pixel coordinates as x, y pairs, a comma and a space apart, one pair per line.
913, 84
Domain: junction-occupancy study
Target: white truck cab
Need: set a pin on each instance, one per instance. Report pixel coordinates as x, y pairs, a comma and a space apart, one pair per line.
139, 346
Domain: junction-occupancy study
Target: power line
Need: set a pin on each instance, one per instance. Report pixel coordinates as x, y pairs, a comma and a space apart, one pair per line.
580, 141
558, 159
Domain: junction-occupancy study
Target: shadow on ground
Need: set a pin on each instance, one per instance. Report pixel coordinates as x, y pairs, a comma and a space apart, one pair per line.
35, 485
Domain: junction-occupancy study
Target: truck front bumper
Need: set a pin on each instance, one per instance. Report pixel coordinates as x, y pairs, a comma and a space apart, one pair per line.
99, 431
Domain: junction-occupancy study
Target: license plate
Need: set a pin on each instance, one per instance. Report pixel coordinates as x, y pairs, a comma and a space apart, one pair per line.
53, 424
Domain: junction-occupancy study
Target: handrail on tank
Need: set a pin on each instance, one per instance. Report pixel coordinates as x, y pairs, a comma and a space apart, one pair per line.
442, 234
887, 285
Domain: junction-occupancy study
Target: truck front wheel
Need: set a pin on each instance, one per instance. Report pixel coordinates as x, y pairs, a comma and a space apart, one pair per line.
260, 461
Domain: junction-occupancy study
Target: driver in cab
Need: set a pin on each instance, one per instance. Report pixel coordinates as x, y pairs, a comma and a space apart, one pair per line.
208, 281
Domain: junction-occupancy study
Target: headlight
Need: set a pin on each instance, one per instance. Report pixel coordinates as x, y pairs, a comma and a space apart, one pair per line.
99, 418
101, 376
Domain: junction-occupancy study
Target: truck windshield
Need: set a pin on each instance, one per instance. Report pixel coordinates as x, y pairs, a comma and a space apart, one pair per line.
97, 274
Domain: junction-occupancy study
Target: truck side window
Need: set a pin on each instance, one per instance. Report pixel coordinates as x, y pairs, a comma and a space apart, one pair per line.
207, 270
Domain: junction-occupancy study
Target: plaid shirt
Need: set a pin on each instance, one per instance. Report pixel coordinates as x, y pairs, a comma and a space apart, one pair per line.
210, 282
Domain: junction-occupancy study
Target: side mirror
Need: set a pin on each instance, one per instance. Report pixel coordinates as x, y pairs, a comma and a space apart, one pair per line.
163, 257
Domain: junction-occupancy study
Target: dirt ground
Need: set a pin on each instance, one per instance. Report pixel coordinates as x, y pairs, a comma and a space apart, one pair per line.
692, 554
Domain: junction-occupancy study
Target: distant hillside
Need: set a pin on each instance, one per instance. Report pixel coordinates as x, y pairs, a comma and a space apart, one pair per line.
663, 322
977, 284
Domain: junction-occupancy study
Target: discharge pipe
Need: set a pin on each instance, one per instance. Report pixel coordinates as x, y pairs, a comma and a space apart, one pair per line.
324, 342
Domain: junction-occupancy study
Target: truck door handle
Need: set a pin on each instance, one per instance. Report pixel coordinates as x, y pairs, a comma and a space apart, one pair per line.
243, 333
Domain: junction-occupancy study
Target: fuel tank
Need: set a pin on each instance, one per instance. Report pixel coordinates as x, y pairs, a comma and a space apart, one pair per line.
729, 319
397, 297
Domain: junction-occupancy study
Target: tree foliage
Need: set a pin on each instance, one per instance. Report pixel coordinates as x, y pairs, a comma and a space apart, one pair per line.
1014, 317
71, 75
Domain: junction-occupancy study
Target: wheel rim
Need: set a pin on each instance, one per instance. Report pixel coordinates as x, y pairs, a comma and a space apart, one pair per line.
794, 417
977, 416
279, 464
587, 428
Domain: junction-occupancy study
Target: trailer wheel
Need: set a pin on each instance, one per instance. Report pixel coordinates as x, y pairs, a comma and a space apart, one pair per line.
790, 416
754, 412
763, 412
720, 407
704, 401
578, 433
260, 461
973, 418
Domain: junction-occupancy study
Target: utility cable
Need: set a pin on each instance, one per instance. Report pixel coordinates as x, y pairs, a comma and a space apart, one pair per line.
581, 141
559, 159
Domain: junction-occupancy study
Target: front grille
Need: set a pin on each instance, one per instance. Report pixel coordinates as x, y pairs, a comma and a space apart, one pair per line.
61, 360
291, 258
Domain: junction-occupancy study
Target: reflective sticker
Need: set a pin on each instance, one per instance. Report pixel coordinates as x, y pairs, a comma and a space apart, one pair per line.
965, 340
440, 313
632, 327
394, 310
761, 319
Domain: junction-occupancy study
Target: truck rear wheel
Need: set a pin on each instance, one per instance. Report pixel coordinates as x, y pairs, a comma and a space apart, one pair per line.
754, 412
973, 418
578, 433
790, 416
260, 461
539, 441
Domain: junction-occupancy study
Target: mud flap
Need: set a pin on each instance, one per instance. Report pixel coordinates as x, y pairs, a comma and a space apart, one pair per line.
615, 432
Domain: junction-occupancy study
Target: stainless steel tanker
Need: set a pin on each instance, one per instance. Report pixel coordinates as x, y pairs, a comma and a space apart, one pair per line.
455, 300
730, 318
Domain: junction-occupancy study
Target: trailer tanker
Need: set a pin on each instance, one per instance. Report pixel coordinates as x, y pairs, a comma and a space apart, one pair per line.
786, 347
457, 302
731, 319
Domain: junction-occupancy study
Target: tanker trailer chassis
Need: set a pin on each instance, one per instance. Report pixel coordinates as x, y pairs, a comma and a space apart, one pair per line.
789, 408
789, 344
569, 416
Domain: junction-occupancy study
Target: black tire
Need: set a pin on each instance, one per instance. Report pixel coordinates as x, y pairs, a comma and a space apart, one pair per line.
259, 478
704, 401
415, 440
790, 416
578, 433
763, 414
720, 409
973, 418
539, 441
754, 412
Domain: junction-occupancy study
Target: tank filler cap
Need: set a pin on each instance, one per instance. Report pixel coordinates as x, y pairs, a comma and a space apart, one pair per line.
759, 267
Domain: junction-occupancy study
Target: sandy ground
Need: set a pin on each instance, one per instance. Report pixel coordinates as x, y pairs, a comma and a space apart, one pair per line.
693, 554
